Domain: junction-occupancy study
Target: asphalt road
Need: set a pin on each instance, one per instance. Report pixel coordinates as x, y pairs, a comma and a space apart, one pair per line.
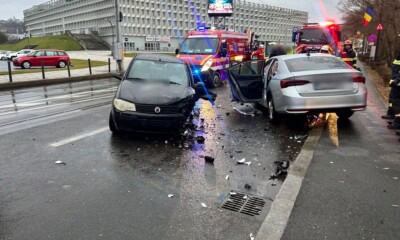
116, 187
351, 190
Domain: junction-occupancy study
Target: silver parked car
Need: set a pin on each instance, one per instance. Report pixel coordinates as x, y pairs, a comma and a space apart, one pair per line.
300, 84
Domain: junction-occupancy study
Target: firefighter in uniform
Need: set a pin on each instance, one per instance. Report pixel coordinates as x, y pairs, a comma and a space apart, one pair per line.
260, 56
394, 92
394, 97
348, 55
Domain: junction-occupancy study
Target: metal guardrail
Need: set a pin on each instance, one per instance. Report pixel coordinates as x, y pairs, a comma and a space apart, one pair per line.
43, 69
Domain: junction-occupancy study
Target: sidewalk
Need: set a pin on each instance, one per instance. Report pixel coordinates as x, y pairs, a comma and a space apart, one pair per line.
352, 186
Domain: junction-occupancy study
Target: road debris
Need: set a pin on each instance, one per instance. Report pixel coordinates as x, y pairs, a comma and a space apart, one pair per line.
244, 113
219, 106
248, 163
204, 205
386, 168
341, 181
245, 197
60, 163
200, 139
209, 159
251, 236
166, 141
170, 195
241, 161
227, 113
247, 186
331, 162
300, 137
232, 193
395, 178
227, 177
396, 206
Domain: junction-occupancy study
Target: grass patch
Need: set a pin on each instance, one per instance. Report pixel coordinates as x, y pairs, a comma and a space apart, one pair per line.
131, 55
77, 64
62, 42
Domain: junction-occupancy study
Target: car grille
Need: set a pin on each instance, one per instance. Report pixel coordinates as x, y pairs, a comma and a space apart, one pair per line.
150, 109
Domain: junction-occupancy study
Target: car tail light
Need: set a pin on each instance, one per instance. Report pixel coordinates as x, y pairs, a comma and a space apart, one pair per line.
290, 83
359, 79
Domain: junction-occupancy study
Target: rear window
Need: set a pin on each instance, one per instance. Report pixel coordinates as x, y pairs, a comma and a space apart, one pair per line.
315, 63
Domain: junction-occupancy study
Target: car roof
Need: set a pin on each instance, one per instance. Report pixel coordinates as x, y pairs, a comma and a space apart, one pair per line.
55, 50
302, 55
157, 57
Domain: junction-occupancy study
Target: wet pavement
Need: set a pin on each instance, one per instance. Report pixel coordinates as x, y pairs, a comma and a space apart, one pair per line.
117, 187
351, 190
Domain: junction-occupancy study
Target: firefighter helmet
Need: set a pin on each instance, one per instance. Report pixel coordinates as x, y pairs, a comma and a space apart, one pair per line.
325, 48
348, 42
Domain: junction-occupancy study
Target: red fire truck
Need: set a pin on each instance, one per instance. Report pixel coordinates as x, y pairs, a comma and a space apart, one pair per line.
312, 36
209, 52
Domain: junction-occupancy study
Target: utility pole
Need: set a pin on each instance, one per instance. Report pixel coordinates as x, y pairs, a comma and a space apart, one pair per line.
118, 51
154, 31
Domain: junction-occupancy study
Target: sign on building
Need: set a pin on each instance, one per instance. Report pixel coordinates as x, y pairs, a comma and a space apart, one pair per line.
220, 8
158, 39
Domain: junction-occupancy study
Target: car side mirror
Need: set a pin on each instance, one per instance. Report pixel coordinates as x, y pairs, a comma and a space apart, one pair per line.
117, 76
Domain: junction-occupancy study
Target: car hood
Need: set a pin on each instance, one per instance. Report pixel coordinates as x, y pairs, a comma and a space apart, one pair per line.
153, 93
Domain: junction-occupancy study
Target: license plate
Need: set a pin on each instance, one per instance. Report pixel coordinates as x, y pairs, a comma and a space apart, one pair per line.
327, 85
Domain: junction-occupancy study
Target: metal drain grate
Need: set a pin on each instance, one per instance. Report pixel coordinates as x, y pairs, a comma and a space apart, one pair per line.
243, 203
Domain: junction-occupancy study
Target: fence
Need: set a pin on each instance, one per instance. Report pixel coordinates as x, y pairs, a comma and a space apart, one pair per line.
89, 70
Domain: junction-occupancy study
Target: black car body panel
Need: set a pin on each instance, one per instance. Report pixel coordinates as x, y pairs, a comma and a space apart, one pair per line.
160, 107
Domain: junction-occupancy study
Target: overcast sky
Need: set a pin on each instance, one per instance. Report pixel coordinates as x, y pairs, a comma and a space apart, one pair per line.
317, 8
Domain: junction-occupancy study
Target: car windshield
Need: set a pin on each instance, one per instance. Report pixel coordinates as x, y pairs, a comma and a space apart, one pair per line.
200, 46
314, 35
315, 63
31, 53
157, 71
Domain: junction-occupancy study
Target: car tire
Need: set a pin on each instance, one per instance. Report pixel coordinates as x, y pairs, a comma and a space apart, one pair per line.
61, 64
112, 126
344, 114
273, 116
26, 65
216, 81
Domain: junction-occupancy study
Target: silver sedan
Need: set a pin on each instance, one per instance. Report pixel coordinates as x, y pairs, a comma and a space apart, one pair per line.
300, 84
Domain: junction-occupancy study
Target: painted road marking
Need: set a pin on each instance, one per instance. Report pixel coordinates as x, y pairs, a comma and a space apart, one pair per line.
57, 105
79, 137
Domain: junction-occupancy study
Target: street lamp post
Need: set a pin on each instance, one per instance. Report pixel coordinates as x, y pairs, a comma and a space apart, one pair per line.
118, 55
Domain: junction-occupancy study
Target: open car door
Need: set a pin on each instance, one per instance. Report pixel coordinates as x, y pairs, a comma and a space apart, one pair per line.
246, 81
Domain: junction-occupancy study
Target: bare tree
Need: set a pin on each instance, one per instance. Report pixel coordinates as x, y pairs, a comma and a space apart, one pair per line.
386, 13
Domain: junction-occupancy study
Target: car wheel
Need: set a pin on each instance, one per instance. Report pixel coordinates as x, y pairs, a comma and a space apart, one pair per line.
112, 126
344, 114
216, 80
61, 64
273, 116
26, 65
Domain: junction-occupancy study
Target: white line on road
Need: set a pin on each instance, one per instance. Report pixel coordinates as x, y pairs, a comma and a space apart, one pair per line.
79, 137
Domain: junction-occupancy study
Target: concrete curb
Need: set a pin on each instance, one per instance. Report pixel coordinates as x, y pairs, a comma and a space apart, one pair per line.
274, 224
47, 82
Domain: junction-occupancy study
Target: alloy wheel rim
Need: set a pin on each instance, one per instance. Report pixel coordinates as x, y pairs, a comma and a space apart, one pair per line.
26, 65
62, 64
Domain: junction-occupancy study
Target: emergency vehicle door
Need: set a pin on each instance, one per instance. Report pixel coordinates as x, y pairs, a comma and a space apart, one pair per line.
246, 80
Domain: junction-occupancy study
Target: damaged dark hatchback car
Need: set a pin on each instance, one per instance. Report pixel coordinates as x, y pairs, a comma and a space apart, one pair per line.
157, 94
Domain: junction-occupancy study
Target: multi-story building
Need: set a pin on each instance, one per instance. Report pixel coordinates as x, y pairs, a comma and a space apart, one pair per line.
157, 24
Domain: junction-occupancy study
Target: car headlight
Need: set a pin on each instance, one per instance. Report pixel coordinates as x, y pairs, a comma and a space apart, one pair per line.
124, 106
207, 65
